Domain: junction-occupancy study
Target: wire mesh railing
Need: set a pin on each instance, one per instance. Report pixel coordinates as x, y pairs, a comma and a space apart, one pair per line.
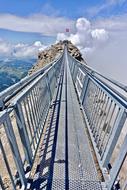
25, 107
21, 126
104, 105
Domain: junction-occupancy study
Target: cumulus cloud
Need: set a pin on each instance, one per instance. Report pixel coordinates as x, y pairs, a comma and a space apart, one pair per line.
38, 23
111, 59
5, 48
99, 34
20, 50
37, 44
103, 44
61, 36
86, 37
113, 24
83, 24
102, 41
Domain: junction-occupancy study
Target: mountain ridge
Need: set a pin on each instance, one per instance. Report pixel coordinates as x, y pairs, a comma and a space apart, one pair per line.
48, 55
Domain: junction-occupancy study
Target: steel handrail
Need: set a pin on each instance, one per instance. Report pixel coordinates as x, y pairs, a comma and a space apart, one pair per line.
10, 92
113, 81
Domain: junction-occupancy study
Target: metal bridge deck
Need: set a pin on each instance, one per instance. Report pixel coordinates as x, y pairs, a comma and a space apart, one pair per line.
66, 160
48, 142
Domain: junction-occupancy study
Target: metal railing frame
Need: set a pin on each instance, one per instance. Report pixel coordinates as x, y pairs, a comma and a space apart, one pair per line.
13, 90
83, 76
29, 102
96, 93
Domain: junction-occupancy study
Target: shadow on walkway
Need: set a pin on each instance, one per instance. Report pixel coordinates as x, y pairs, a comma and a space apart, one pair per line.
44, 171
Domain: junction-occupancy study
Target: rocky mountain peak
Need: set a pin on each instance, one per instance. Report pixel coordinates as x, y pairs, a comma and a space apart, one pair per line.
50, 54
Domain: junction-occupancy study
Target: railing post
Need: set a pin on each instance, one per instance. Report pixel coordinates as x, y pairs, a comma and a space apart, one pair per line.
113, 138
74, 73
54, 71
84, 89
1, 104
71, 65
23, 133
118, 163
15, 150
48, 85
8, 168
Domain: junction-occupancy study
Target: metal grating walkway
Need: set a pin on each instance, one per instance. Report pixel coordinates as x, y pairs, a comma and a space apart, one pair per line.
65, 160
49, 142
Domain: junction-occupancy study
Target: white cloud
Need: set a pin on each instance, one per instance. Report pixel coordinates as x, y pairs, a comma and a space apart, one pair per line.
99, 34
37, 44
115, 2
103, 44
106, 5
20, 50
48, 9
5, 48
75, 39
83, 24
38, 23
115, 23
61, 36
26, 50
86, 37
111, 59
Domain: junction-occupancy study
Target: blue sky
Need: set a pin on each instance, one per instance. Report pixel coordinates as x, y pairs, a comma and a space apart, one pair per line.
67, 8
98, 28
71, 10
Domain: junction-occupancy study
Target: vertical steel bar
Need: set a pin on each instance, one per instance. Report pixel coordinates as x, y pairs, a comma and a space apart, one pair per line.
7, 166
95, 108
96, 111
106, 118
75, 73
98, 114
92, 94
102, 141
84, 89
15, 150
23, 133
42, 100
114, 137
118, 163
33, 115
100, 127
37, 104
48, 86
31, 119
28, 123
34, 108
105, 145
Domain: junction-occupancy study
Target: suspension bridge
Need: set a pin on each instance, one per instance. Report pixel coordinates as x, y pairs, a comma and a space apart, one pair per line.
64, 127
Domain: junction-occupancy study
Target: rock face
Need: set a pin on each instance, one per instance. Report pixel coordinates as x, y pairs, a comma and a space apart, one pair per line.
74, 51
50, 54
